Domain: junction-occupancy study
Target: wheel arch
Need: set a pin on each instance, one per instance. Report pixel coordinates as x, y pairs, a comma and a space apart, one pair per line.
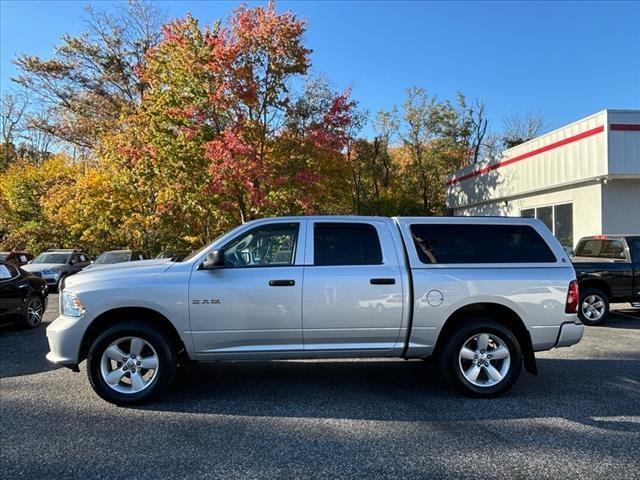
125, 314
598, 284
494, 311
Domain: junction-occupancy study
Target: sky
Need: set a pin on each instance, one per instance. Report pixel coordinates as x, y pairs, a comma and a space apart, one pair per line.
563, 60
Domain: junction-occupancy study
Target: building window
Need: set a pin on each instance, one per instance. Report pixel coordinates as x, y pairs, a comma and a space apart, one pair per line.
558, 218
563, 223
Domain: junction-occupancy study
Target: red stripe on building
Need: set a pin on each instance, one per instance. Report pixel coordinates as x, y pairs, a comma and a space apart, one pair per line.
628, 127
532, 153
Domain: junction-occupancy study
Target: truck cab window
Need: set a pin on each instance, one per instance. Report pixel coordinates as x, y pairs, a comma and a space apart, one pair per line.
601, 248
267, 245
346, 244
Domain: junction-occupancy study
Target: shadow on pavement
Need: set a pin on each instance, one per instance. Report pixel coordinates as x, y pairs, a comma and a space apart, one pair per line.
578, 390
627, 319
23, 350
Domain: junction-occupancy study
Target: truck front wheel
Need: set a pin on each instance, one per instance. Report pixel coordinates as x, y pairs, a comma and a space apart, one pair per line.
482, 359
131, 363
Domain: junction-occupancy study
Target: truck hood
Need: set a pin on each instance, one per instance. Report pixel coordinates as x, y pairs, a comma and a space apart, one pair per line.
38, 267
116, 271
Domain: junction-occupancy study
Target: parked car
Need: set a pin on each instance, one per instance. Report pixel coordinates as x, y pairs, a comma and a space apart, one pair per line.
22, 295
479, 294
116, 256
608, 270
56, 265
174, 255
16, 258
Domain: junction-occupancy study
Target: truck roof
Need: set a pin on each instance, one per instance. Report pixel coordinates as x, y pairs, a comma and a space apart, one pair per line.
435, 219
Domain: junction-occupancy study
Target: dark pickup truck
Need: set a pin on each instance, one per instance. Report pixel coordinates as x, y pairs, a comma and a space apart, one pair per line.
608, 270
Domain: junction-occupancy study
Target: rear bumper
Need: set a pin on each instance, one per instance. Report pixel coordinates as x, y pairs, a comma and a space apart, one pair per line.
570, 334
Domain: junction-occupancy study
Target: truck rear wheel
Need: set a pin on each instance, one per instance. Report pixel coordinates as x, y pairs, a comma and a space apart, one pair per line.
593, 308
483, 359
131, 363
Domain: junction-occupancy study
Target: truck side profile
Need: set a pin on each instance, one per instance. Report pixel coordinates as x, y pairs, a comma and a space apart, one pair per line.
480, 295
608, 270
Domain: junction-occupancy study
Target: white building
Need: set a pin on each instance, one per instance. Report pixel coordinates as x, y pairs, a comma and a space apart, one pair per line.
581, 179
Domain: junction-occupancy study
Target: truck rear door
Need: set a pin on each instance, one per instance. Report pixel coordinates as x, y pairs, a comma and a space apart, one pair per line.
352, 289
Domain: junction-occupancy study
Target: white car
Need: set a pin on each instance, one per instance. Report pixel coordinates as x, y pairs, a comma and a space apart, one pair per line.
479, 294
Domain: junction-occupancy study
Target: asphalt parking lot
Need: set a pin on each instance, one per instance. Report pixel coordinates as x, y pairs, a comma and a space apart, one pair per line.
579, 418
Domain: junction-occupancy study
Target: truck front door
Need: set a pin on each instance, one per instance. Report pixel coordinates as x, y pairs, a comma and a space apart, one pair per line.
352, 292
253, 303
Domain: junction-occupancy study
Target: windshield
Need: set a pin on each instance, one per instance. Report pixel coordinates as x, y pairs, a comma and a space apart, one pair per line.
113, 257
52, 258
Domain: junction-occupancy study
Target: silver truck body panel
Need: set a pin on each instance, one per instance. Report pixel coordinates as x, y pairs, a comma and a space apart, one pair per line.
328, 311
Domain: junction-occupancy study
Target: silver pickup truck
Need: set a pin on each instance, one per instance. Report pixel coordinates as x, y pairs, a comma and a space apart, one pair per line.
480, 295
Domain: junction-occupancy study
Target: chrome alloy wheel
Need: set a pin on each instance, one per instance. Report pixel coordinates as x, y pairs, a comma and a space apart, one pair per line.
129, 365
592, 307
484, 360
34, 311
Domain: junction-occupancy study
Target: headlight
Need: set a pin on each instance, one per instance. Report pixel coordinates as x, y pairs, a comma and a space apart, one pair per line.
50, 272
71, 306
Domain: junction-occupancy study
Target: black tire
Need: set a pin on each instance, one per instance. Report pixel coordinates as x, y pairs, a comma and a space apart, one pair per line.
452, 366
33, 305
166, 355
589, 294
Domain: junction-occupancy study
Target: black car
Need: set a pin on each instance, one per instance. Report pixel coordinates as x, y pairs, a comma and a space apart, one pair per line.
22, 295
608, 270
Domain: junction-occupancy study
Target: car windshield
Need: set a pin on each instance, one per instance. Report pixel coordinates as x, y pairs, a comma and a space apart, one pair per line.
52, 258
113, 257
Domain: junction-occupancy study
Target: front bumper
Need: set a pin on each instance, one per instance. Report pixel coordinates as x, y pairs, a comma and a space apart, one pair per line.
65, 336
570, 334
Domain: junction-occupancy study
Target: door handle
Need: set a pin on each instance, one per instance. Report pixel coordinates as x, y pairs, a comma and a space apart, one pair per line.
382, 281
282, 283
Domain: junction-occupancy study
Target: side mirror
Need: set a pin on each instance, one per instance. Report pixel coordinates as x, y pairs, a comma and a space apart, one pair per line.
215, 259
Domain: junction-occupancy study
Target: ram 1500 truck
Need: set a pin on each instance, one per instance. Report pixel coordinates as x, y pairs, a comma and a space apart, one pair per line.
480, 295
608, 270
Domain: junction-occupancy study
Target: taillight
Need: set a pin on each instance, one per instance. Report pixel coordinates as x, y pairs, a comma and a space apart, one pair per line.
573, 297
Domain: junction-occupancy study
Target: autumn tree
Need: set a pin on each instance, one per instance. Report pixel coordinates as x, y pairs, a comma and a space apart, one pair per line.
221, 136
24, 192
91, 81
269, 141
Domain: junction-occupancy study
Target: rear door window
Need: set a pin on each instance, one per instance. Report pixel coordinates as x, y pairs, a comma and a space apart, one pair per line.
465, 243
346, 244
